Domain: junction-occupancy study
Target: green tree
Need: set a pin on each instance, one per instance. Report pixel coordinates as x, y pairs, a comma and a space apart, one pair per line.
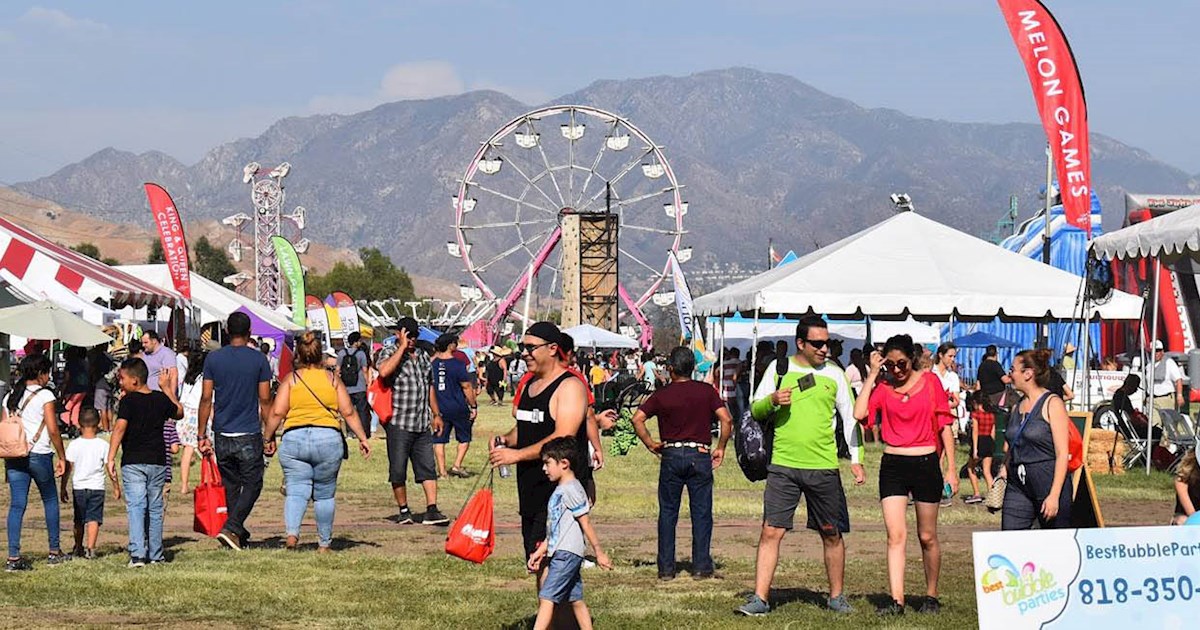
156, 256
111, 262
376, 279
211, 261
87, 249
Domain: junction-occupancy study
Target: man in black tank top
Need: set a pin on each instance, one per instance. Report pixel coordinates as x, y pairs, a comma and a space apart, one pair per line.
554, 404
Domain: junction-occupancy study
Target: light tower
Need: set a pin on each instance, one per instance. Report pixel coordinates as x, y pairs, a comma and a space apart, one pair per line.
267, 196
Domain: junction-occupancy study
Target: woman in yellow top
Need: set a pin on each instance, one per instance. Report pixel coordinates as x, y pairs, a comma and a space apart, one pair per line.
312, 447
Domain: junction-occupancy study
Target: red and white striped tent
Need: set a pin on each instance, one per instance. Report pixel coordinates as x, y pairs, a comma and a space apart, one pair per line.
36, 262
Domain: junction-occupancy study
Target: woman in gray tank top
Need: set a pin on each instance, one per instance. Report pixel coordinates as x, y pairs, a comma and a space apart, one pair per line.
1037, 434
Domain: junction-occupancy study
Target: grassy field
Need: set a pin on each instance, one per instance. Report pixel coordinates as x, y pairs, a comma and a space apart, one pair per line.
384, 574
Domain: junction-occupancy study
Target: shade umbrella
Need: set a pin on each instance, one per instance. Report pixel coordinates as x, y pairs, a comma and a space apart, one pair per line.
980, 339
46, 320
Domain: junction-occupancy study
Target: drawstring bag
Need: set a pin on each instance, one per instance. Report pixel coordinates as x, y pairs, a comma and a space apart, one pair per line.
379, 396
473, 535
209, 499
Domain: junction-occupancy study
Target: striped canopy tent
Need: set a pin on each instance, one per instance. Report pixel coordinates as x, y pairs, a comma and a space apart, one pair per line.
45, 267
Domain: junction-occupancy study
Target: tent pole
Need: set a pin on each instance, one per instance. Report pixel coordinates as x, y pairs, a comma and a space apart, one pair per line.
1148, 382
754, 354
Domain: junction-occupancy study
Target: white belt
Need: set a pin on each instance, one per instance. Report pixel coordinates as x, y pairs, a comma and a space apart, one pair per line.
695, 445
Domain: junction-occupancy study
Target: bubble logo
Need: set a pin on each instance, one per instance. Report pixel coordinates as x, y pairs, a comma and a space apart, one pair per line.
1026, 588
477, 536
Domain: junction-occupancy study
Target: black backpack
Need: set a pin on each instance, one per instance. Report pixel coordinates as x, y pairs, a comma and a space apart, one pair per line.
753, 439
350, 370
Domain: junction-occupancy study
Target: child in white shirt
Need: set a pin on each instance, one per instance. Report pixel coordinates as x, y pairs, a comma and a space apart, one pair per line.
86, 457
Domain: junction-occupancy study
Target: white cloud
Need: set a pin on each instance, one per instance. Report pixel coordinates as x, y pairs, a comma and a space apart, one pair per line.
59, 20
417, 80
420, 79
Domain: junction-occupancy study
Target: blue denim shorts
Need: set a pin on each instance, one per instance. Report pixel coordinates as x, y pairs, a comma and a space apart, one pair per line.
89, 506
563, 582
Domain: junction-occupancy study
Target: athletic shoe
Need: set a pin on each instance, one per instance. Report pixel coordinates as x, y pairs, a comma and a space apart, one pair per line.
893, 609
755, 607
711, 575
434, 517
973, 499
459, 472
946, 501
154, 562
136, 563
19, 564
89, 554
666, 577
55, 559
229, 540
931, 606
405, 517
840, 605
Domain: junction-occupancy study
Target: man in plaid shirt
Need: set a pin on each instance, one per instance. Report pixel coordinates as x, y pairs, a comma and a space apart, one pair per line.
415, 419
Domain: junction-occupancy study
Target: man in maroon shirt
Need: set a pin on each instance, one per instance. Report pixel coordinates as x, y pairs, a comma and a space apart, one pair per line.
684, 409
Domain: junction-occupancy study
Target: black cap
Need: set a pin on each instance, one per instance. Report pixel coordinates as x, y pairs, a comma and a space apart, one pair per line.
546, 331
407, 324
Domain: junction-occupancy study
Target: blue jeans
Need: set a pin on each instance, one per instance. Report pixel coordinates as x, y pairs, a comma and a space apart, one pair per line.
682, 467
240, 460
39, 469
311, 458
143, 488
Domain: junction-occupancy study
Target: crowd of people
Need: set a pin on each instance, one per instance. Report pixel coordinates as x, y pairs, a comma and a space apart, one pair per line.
230, 405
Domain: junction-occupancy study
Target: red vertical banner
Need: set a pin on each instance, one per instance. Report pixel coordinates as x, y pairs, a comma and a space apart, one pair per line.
1058, 92
170, 232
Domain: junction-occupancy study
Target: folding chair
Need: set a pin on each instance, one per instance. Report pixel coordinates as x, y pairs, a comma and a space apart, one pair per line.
1136, 447
1180, 437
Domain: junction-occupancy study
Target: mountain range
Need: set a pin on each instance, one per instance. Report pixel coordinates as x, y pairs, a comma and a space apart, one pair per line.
761, 156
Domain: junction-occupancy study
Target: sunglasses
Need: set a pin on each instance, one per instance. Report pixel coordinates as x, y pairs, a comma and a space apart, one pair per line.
817, 343
896, 366
528, 348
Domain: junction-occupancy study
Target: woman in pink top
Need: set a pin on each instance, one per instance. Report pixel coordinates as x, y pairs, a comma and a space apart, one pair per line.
915, 427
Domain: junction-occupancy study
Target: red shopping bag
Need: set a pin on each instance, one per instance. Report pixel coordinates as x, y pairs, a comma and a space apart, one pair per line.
209, 499
473, 535
379, 396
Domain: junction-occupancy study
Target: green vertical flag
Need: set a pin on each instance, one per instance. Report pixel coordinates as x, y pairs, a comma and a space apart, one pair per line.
289, 267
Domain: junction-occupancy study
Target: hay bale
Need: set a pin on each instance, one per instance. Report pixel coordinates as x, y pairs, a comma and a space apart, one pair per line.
1100, 445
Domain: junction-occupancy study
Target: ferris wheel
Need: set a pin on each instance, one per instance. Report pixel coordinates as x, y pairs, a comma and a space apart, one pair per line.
542, 167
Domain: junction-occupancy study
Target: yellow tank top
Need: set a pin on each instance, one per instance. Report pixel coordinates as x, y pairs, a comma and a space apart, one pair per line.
305, 403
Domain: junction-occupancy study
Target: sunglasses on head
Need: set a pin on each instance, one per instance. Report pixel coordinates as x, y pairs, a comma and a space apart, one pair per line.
896, 366
817, 343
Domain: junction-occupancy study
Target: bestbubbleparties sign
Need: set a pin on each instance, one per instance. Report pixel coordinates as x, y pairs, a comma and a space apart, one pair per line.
1133, 577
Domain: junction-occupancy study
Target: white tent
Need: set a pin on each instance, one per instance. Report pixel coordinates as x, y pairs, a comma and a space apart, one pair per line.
912, 265
214, 301
589, 336
1166, 237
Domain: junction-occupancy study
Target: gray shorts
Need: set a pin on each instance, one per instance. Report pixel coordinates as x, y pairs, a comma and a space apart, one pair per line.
403, 446
824, 498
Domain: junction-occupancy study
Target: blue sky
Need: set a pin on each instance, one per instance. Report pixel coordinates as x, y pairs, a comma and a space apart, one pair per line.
76, 77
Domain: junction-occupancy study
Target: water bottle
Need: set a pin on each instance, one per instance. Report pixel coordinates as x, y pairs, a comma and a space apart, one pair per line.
498, 442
